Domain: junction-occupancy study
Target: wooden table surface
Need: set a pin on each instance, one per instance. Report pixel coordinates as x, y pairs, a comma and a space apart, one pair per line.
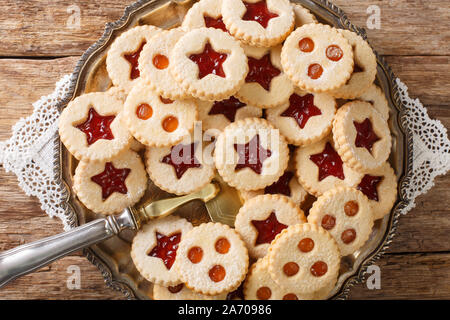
38, 46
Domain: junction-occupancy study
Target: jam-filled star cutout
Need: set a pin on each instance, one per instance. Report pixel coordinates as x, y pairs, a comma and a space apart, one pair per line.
368, 186
96, 127
258, 12
227, 107
365, 136
182, 158
267, 229
166, 248
281, 186
133, 59
209, 62
216, 23
112, 180
251, 155
261, 71
301, 108
329, 163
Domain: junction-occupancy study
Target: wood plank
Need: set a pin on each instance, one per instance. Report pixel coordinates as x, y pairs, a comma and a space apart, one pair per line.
48, 34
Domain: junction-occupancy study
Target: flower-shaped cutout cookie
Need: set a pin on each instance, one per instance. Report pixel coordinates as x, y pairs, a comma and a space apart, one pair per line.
261, 23
262, 218
345, 213
209, 64
204, 14
181, 292
212, 259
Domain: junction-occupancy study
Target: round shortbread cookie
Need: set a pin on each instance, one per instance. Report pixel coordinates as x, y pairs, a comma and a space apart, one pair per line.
209, 64
204, 14
306, 118
346, 213
110, 186
250, 154
90, 127
261, 218
304, 258
261, 23
212, 259
155, 249
181, 292
266, 85
320, 168
361, 136
155, 121
376, 97
317, 58
380, 186
122, 60
302, 15
364, 71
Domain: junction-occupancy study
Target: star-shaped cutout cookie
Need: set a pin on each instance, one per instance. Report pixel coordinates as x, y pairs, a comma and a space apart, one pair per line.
96, 127
209, 62
267, 229
133, 59
182, 158
258, 12
301, 108
261, 71
329, 163
112, 180
251, 155
281, 186
365, 136
166, 248
227, 107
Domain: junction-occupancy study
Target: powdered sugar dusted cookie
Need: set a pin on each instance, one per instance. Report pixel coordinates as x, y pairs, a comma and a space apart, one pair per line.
302, 15
122, 61
212, 259
181, 292
261, 218
266, 85
250, 154
345, 213
209, 64
262, 23
361, 136
204, 14
155, 249
305, 118
304, 258
376, 97
90, 127
110, 186
156, 121
317, 58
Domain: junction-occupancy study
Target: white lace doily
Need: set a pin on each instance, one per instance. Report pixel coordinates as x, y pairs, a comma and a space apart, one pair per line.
30, 152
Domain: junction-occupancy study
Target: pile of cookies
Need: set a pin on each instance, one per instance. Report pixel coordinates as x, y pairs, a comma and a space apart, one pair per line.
288, 109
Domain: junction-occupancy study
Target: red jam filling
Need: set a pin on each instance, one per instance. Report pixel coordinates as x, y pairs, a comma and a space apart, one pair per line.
365, 136
97, 127
268, 229
209, 62
368, 186
112, 180
215, 23
227, 107
301, 108
182, 158
329, 163
281, 186
319, 268
251, 155
133, 59
258, 12
166, 248
261, 71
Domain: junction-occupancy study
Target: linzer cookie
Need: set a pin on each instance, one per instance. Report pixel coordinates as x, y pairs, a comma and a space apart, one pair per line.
122, 61
317, 58
212, 259
380, 186
250, 154
155, 249
180, 169
154, 63
364, 69
204, 14
304, 258
361, 136
266, 85
305, 118
90, 127
156, 121
110, 186
181, 292
219, 114
261, 218
320, 168
117, 93
302, 15
262, 23
376, 97
209, 64
345, 213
